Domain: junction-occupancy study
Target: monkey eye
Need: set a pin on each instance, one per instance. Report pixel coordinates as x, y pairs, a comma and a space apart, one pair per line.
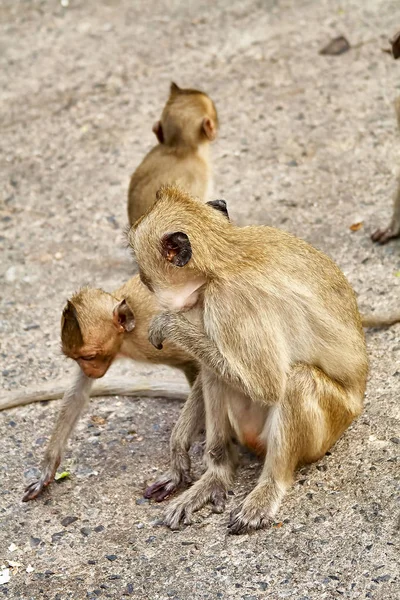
87, 358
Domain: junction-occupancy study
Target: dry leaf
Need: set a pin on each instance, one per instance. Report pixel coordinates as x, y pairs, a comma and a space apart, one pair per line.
356, 226
97, 420
336, 47
278, 525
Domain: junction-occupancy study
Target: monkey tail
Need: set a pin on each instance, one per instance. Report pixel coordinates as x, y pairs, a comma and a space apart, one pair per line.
379, 320
135, 387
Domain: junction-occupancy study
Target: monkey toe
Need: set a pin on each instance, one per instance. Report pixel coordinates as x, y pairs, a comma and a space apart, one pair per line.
175, 515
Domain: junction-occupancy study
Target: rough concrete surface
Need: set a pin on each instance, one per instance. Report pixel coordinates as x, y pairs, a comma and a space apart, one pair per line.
308, 143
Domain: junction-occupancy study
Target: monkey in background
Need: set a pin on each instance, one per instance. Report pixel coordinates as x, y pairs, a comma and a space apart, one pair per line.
275, 326
189, 122
382, 236
96, 329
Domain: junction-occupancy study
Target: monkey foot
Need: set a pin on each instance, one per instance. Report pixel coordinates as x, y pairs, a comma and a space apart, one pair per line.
247, 518
206, 490
35, 488
382, 236
167, 485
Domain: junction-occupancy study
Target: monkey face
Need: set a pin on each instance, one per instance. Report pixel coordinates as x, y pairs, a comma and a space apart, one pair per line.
96, 366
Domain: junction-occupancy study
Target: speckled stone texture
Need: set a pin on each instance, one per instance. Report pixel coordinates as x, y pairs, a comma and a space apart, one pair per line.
308, 143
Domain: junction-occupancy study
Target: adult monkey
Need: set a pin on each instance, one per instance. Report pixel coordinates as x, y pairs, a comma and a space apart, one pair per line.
275, 326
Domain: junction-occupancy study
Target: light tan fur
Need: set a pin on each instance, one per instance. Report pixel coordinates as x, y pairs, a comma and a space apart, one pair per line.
280, 343
188, 124
382, 236
102, 327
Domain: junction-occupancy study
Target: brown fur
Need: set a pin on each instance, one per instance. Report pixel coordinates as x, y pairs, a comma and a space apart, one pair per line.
103, 327
188, 123
275, 326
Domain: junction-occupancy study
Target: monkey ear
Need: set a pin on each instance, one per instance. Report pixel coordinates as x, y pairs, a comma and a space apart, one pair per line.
70, 329
208, 126
123, 317
174, 89
158, 130
176, 248
219, 205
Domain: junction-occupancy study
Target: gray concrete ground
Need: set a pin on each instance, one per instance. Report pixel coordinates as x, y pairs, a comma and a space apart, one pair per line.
308, 143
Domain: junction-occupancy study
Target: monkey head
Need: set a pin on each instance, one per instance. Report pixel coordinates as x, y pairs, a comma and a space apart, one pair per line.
93, 325
175, 260
189, 118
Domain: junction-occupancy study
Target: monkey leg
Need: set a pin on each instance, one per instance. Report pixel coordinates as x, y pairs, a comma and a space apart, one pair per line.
313, 415
382, 236
74, 402
191, 371
220, 459
191, 421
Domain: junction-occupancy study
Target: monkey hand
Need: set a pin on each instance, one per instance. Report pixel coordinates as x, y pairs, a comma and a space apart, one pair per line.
160, 328
35, 488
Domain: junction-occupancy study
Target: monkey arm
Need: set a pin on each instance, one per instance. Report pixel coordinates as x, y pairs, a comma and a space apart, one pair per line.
177, 329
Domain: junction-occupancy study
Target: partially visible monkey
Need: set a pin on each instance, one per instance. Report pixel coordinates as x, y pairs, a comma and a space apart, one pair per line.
382, 236
275, 326
96, 329
189, 122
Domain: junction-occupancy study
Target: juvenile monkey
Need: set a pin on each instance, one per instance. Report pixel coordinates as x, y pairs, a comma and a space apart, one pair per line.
382, 236
188, 124
96, 329
275, 326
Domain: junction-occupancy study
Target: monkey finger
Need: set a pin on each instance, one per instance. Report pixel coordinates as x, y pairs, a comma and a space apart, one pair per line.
156, 339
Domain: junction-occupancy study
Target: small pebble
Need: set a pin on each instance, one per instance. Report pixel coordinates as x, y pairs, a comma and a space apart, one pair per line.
68, 520
111, 557
34, 542
142, 501
57, 536
140, 526
395, 440
99, 528
85, 531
